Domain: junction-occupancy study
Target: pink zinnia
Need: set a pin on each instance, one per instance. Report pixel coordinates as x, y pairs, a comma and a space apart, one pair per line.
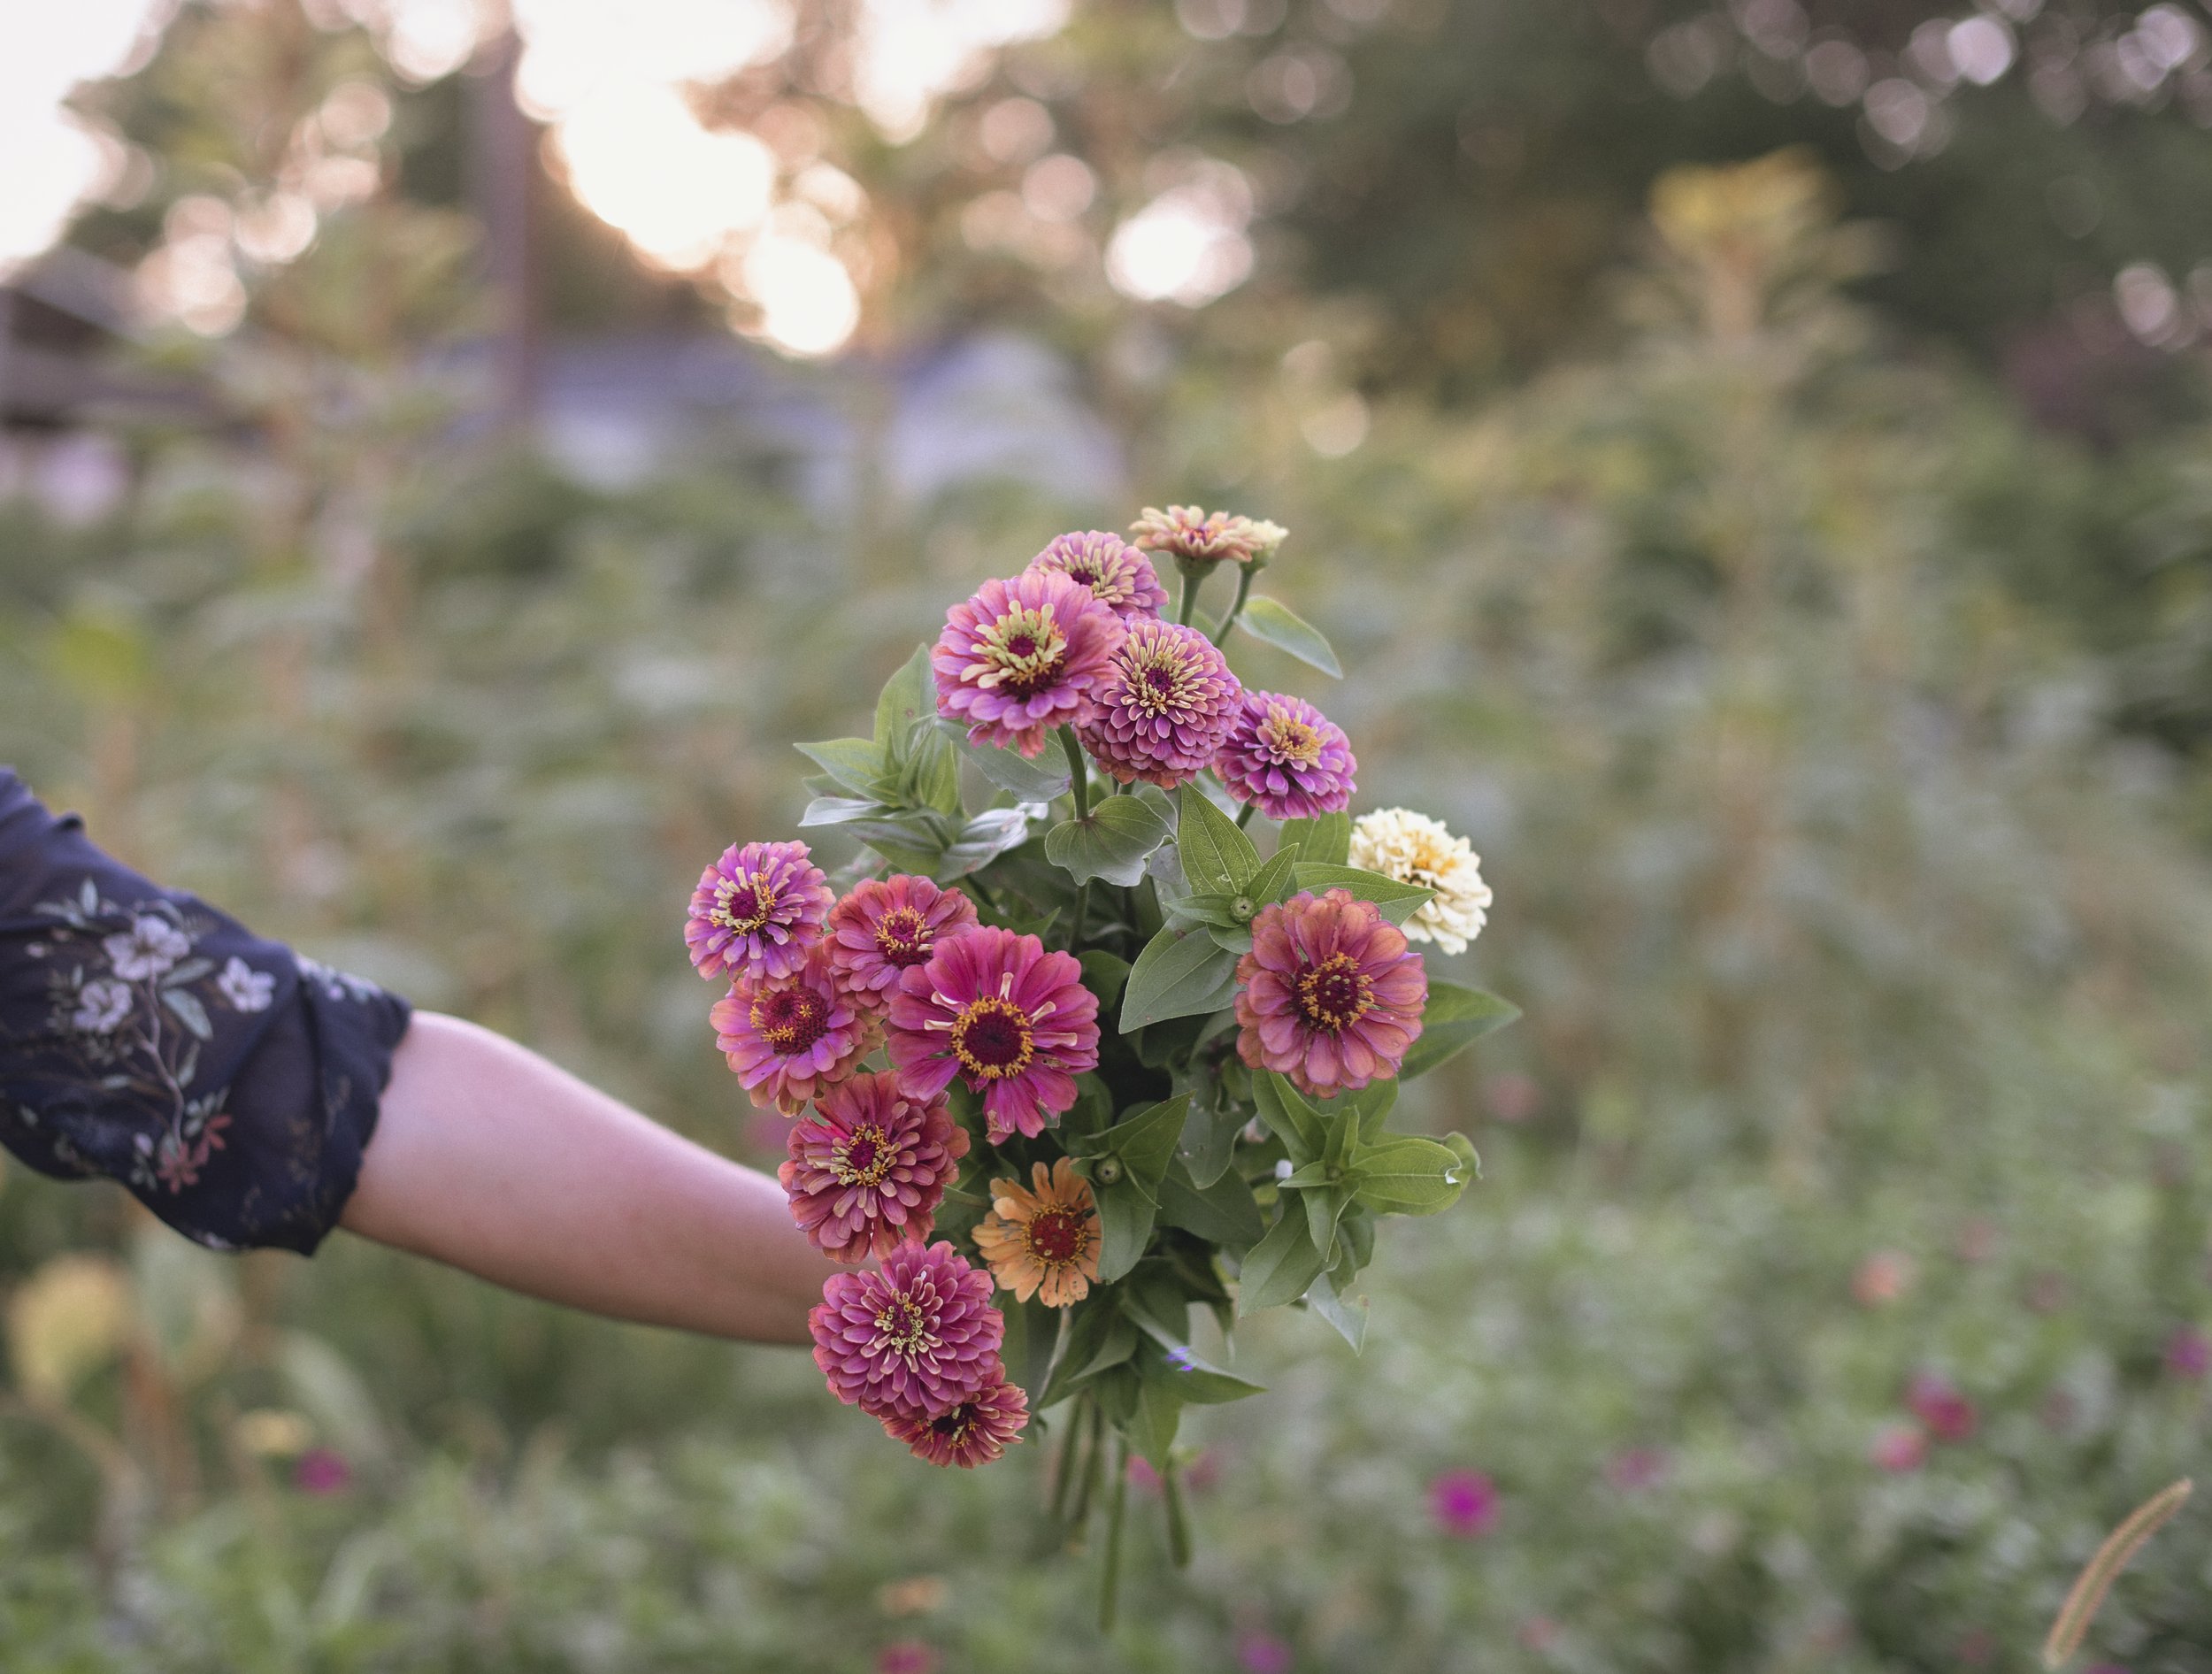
915, 1341
1936, 1401
886, 926
322, 1471
1464, 1503
1899, 1448
1119, 577
867, 1170
756, 911
1166, 707
2189, 1353
788, 1040
1287, 758
1023, 656
975, 1432
1013, 1021
1330, 996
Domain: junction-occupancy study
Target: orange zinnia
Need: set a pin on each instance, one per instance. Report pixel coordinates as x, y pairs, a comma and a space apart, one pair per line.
1044, 1239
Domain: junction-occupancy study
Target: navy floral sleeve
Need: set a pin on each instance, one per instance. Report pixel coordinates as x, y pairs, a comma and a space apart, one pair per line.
230, 1082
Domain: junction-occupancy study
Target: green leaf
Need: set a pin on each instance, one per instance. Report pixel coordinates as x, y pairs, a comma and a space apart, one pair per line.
1348, 1315
1176, 976
1280, 1266
835, 811
856, 763
1408, 1176
1189, 1379
931, 777
1210, 1131
1112, 844
1453, 1019
1117, 1340
1289, 1117
1125, 1213
1151, 1429
1398, 901
912, 842
1282, 627
1463, 1148
1372, 1105
1327, 839
1273, 882
1222, 1213
1218, 858
1030, 1328
909, 696
1104, 975
1034, 781
983, 839
1144, 1143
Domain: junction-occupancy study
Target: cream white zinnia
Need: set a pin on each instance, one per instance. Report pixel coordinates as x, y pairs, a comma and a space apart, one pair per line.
1416, 849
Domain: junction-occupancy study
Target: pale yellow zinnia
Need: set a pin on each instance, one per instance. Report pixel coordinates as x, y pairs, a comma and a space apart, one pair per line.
1416, 849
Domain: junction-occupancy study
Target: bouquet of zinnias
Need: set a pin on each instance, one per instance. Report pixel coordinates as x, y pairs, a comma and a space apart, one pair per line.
1056, 806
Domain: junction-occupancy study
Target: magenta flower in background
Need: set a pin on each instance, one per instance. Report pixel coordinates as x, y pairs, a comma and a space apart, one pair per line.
2188, 1354
907, 1656
1899, 1447
1264, 1654
1633, 1470
1936, 1401
1287, 758
915, 1341
1330, 994
1119, 577
788, 1041
1013, 1021
1023, 656
322, 1471
756, 911
975, 1432
1164, 708
867, 1170
1464, 1503
886, 926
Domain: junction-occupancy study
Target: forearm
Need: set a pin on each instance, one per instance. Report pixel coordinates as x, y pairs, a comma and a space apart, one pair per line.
489, 1158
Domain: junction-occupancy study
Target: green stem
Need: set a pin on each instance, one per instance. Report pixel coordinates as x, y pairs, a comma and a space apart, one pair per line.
1194, 577
1078, 775
1064, 1465
1087, 1485
1110, 1583
1178, 1525
1244, 814
1245, 572
1082, 908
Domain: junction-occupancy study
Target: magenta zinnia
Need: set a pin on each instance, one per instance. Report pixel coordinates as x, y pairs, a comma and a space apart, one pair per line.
1119, 577
975, 1432
788, 1040
1287, 758
1023, 656
886, 926
1014, 1021
914, 1340
867, 1170
1167, 708
1330, 994
756, 911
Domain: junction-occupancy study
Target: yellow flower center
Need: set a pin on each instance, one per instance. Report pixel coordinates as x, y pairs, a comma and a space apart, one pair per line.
1058, 1236
1290, 740
864, 1158
1335, 993
901, 1327
1158, 676
727, 893
994, 1038
1022, 652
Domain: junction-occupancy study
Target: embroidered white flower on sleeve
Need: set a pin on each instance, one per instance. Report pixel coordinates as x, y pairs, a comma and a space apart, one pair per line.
149, 948
246, 988
103, 1003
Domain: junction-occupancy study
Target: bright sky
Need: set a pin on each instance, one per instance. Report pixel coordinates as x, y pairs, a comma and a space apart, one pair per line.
607, 80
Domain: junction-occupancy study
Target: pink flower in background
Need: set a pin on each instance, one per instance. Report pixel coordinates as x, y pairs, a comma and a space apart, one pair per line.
2189, 1353
1165, 707
1635, 1469
756, 911
1023, 656
867, 1170
907, 1656
1539, 1633
975, 1432
1936, 1401
1464, 1503
1013, 1021
321, 1472
790, 1040
1119, 577
1514, 1097
1330, 994
1881, 1278
1192, 533
915, 1341
886, 926
1287, 758
1899, 1447
1264, 1654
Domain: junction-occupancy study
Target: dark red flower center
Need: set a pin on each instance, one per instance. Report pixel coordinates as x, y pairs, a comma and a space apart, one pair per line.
1334, 995
993, 1039
1022, 653
903, 937
741, 905
791, 1020
1059, 1237
863, 1159
1160, 677
954, 1426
